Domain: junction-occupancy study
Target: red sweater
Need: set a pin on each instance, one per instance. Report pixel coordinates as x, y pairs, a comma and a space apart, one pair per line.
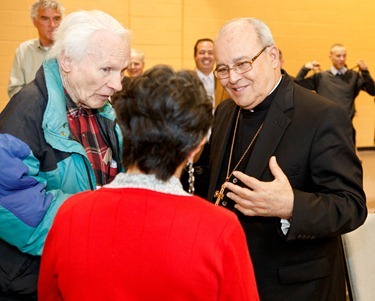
139, 244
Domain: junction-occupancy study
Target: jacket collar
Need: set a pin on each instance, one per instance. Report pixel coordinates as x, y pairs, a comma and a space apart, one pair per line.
55, 122
275, 124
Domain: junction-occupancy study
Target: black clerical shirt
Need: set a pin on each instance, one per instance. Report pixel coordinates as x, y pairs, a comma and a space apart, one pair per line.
248, 125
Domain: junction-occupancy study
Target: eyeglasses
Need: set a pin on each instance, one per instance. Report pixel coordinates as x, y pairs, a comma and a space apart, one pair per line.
222, 72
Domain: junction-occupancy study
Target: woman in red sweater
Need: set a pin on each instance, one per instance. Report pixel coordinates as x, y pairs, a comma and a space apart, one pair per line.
142, 237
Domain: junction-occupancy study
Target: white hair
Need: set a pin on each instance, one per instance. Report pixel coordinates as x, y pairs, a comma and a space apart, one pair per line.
76, 29
135, 52
261, 29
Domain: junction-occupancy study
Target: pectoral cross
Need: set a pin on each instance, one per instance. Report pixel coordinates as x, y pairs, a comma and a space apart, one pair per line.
219, 195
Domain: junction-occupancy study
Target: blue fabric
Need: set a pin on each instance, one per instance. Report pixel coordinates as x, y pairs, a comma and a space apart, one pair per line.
16, 186
31, 191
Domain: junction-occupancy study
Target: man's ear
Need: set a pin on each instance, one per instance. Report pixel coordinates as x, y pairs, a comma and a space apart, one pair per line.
65, 62
274, 55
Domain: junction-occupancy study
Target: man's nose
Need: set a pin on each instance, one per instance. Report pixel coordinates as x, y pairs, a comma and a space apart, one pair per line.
54, 23
115, 82
233, 76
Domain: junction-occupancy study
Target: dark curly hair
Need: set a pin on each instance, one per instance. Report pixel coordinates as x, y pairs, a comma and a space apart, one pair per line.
163, 116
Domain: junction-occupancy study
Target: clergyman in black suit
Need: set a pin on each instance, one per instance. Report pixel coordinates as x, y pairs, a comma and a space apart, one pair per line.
283, 159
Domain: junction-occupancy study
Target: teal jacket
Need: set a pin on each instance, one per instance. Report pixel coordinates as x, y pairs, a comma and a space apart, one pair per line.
55, 166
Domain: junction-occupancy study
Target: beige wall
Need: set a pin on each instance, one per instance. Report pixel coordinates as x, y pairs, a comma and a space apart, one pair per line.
166, 31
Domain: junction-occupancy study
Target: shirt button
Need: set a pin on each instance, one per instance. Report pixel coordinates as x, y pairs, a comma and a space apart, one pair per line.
235, 180
224, 203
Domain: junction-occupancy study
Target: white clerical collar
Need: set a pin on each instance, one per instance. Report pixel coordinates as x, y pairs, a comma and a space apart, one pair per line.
277, 84
281, 77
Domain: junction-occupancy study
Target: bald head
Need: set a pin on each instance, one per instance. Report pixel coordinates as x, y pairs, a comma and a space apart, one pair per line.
337, 55
248, 61
245, 25
137, 63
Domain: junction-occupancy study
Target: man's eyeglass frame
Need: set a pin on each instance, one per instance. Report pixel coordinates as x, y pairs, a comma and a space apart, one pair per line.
235, 66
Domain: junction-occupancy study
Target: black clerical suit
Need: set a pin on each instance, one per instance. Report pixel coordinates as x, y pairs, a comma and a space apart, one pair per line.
311, 139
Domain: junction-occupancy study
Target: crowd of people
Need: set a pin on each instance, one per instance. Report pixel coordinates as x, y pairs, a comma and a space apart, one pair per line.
94, 204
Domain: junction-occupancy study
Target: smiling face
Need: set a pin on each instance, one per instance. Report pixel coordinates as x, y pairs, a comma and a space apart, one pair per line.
136, 65
92, 80
204, 57
239, 43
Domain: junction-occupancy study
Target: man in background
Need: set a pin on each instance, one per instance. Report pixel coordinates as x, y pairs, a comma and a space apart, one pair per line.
338, 83
137, 63
204, 66
282, 62
46, 16
135, 69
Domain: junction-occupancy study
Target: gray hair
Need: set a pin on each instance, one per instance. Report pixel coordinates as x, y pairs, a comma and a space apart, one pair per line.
45, 4
261, 29
76, 29
336, 45
134, 51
